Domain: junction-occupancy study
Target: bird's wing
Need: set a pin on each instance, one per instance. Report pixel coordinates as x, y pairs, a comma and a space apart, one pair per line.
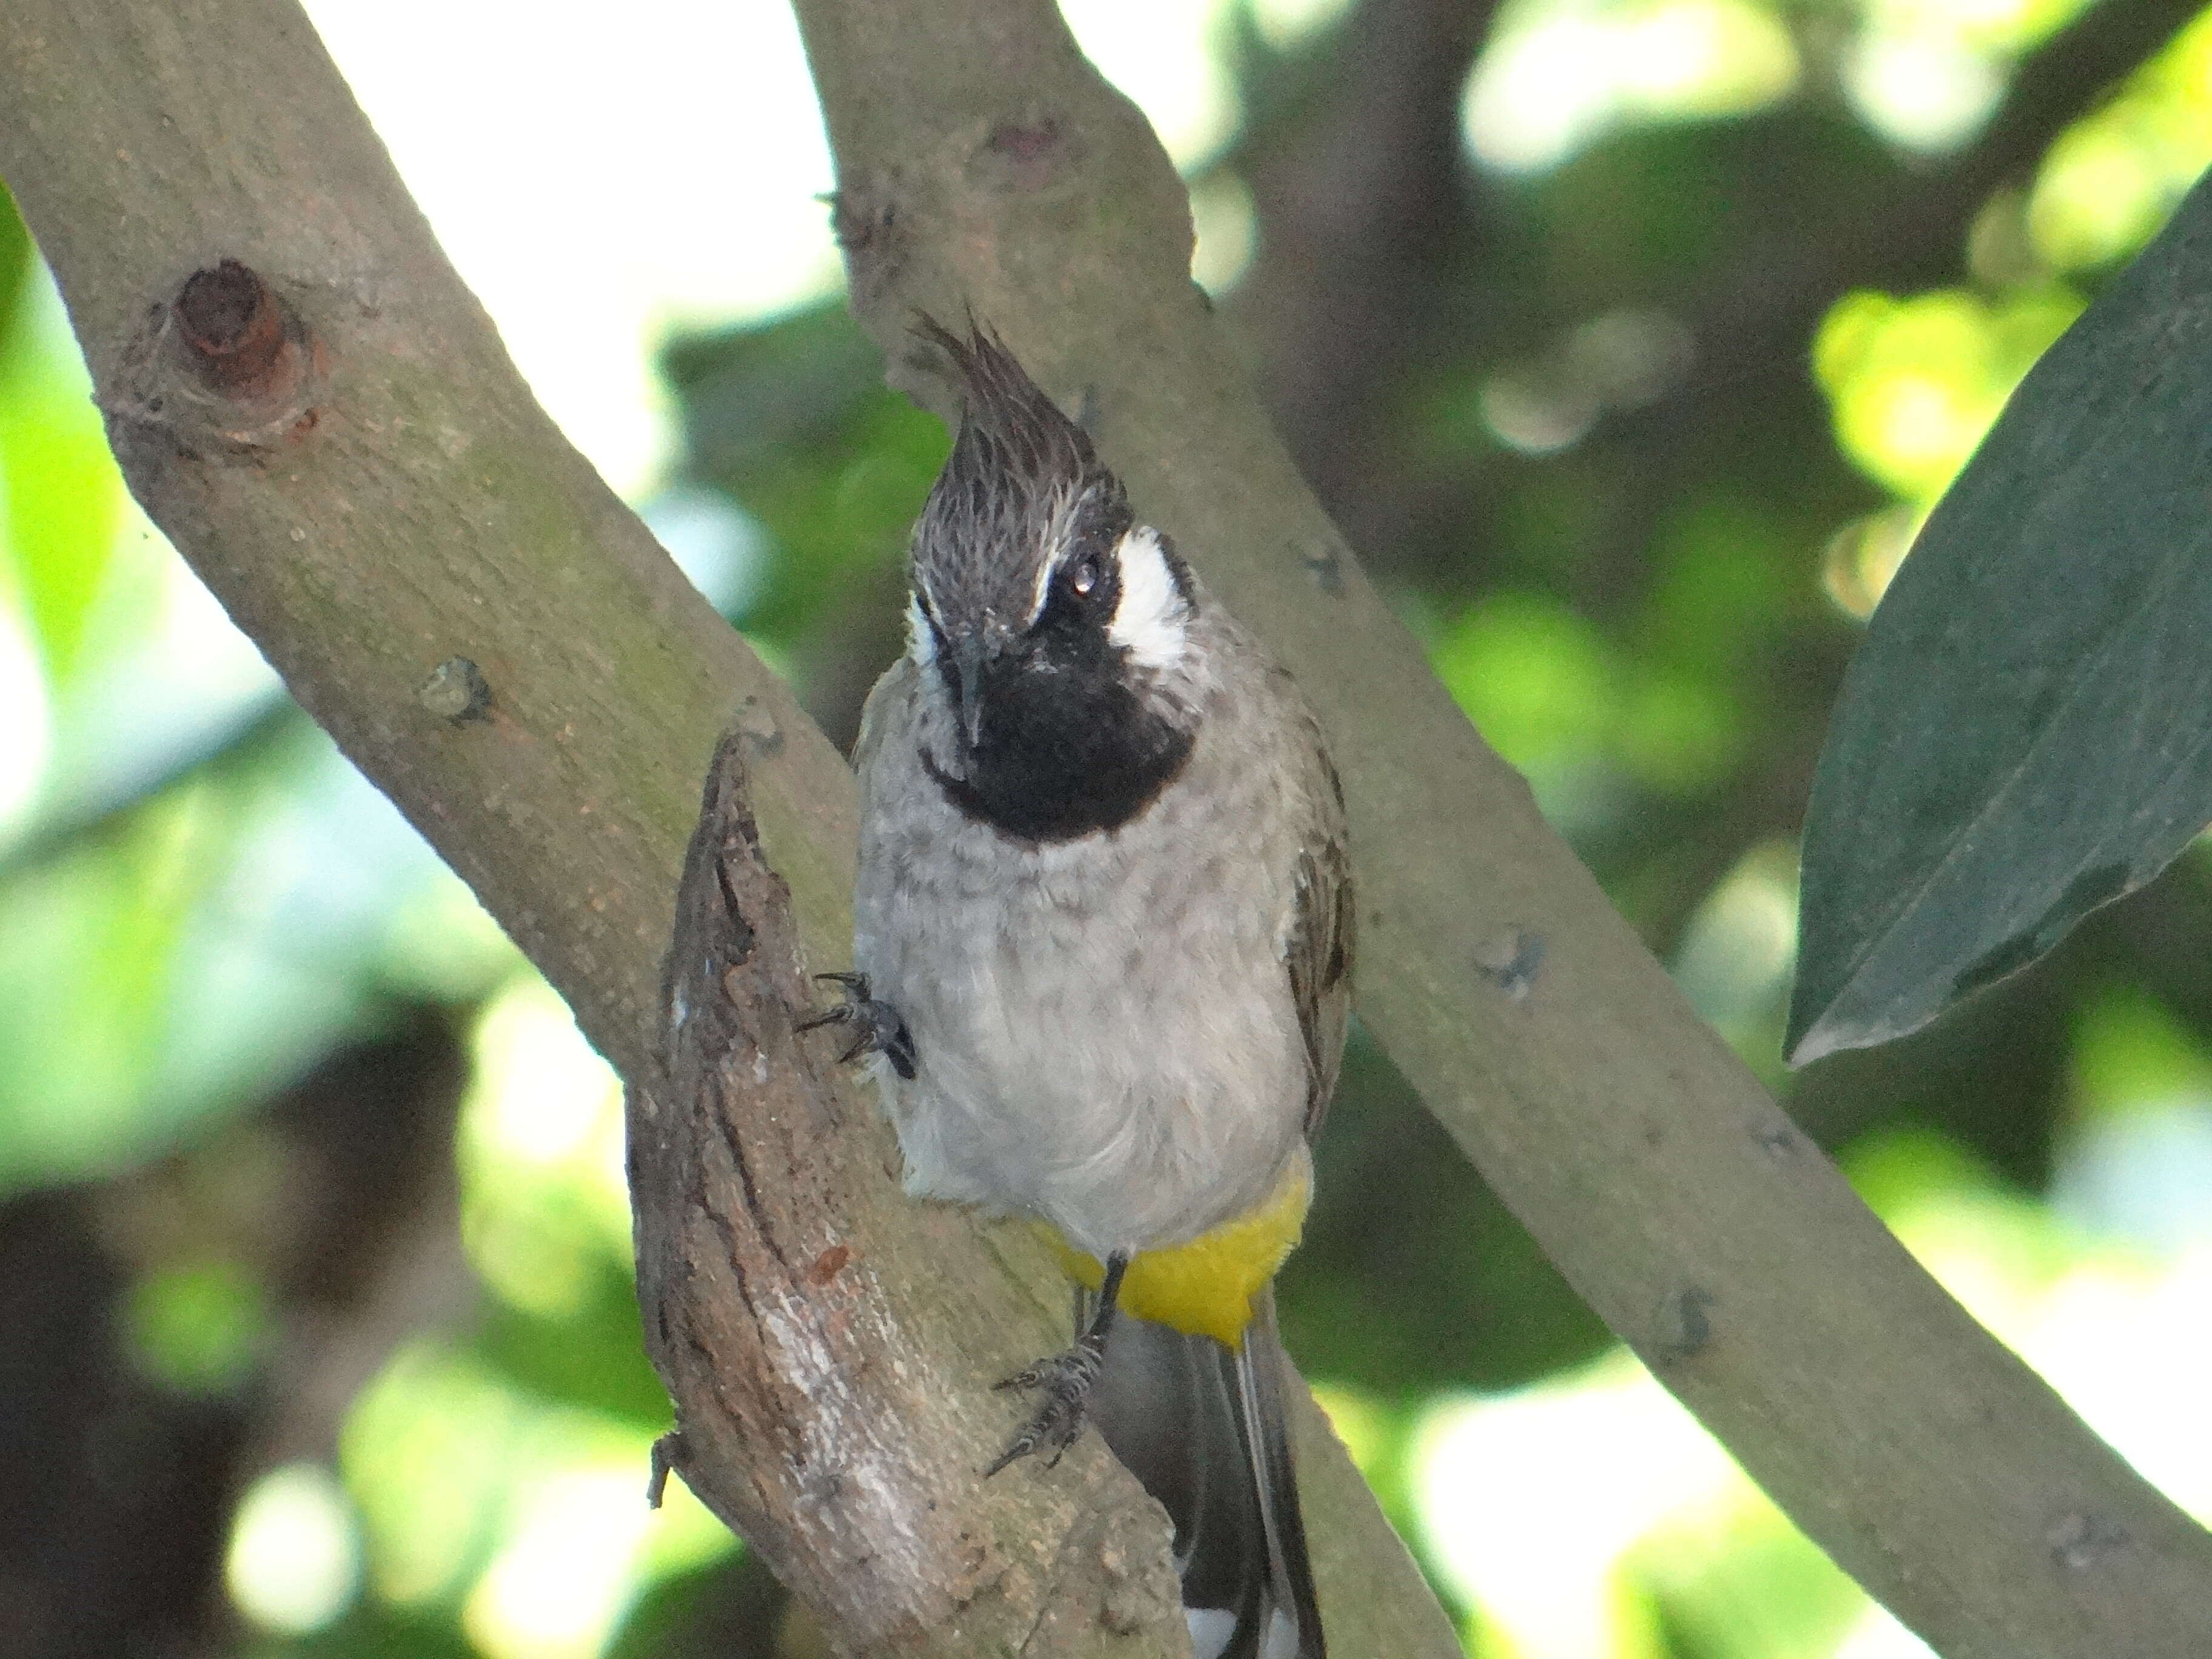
880, 711
1318, 950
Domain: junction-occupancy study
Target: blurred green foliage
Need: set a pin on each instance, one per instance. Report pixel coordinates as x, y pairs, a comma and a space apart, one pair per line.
1916, 382
1632, 503
201, 1329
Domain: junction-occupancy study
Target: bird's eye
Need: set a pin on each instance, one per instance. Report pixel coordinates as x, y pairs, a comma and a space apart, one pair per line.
1083, 576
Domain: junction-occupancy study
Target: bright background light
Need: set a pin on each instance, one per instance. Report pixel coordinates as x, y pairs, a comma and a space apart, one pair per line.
594, 182
666, 162
1552, 1509
671, 186
295, 1558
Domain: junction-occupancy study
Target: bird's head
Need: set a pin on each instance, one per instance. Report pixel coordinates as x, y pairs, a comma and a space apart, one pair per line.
1053, 628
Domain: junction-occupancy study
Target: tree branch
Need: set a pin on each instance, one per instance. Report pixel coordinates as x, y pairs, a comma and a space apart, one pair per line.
982, 161
323, 421
764, 1244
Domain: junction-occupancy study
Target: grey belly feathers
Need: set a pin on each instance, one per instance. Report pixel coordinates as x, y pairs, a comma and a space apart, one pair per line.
1104, 1031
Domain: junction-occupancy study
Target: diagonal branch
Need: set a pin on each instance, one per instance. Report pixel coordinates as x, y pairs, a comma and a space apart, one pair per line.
763, 1247
982, 161
322, 419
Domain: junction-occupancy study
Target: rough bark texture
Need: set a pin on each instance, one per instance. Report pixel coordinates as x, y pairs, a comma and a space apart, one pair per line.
375, 497
780, 1310
322, 419
981, 162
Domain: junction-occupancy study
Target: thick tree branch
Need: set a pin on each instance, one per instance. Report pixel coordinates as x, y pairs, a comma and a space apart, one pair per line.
981, 161
763, 1248
328, 429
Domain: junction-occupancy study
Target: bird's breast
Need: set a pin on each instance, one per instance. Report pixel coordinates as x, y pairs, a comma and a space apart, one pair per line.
1103, 1031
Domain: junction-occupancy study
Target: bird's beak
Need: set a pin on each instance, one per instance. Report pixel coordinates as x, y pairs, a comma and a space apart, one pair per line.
969, 657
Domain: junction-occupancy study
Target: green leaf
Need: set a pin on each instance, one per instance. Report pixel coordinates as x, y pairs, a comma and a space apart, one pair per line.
2026, 732
14, 263
61, 498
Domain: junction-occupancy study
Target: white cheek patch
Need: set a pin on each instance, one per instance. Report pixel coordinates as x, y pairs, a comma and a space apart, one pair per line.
1046, 571
920, 637
1060, 541
1150, 618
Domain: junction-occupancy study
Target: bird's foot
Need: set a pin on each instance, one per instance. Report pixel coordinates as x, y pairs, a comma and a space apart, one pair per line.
1066, 1379
877, 1026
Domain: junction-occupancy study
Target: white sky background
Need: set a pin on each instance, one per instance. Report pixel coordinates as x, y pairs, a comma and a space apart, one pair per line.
656, 164
596, 175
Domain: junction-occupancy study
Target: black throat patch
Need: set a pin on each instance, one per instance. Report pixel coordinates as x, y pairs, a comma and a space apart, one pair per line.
1061, 768
1067, 746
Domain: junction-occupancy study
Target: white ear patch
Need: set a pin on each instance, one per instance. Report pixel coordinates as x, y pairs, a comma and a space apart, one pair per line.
920, 637
1047, 570
1149, 617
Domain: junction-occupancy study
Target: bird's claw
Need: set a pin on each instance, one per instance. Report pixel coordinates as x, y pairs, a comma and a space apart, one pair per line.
1066, 1379
878, 1028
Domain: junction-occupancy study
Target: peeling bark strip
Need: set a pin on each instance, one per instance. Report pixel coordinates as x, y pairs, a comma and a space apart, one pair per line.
801, 1422
736, 1198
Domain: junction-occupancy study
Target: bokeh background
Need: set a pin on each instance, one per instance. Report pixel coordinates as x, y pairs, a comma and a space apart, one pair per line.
1627, 339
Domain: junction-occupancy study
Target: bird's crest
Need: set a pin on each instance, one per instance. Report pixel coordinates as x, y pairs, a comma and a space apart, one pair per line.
1020, 476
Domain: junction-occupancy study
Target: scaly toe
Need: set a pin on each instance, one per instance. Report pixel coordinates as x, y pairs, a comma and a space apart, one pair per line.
1056, 1425
1066, 1379
877, 1027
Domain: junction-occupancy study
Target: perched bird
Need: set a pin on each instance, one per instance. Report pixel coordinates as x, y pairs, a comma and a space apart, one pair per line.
1103, 933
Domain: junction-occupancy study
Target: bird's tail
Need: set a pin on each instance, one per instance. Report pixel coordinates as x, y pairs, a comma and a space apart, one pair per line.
1204, 1430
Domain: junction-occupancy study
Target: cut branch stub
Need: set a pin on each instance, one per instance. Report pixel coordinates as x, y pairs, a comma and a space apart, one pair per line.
228, 366
234, 329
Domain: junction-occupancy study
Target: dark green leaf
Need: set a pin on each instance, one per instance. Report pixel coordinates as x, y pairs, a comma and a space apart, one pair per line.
2027, 731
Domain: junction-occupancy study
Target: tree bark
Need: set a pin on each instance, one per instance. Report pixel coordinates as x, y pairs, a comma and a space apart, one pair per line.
322, 419
375, 498
981, 162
